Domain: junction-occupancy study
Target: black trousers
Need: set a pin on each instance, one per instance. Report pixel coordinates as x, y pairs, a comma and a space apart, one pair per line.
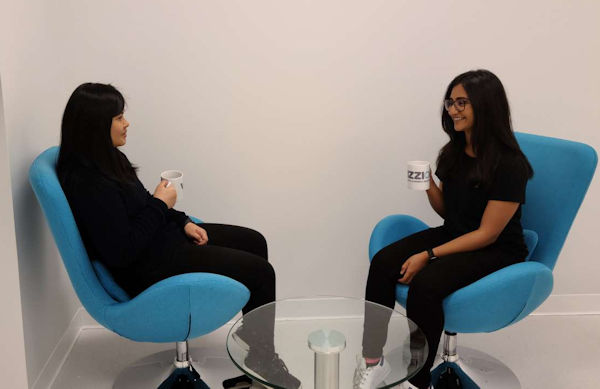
427, 290
236, 252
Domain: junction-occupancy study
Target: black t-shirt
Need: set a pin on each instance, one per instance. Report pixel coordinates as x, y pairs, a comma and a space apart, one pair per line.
465, 199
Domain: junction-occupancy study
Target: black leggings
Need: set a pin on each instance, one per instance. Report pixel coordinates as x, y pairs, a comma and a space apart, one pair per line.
427, 290
236, 252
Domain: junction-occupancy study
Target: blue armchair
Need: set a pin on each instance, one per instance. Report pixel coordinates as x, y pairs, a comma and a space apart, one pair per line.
563, 171
173, 310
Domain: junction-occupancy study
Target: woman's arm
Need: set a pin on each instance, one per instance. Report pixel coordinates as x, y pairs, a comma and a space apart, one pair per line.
496, 216
434, 194
115, 237
180, 218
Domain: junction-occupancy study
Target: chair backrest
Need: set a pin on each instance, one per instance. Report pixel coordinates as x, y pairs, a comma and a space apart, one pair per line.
43, 179
563, 171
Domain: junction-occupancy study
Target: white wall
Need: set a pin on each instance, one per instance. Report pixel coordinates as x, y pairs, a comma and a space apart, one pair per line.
32, 110
293, 117
12, 360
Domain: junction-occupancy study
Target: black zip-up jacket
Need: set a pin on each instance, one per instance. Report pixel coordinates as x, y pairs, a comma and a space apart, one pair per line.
122, 225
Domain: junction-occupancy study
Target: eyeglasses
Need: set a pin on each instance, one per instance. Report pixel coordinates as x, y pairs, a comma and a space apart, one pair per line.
459, 103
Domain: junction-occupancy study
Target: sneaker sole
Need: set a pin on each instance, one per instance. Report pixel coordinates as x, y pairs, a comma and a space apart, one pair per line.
262, 378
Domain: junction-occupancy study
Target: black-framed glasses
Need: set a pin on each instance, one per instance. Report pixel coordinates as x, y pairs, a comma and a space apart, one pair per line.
459, 103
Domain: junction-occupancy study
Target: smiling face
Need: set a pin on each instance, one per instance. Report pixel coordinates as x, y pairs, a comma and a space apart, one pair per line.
118, 130
463, 120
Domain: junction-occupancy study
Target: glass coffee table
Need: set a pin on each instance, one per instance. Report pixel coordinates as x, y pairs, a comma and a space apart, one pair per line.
320, 340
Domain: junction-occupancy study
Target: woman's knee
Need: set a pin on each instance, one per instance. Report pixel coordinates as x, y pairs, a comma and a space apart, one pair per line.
256, 242
261, 242
269, 271
262, 269
385, 260
424, 286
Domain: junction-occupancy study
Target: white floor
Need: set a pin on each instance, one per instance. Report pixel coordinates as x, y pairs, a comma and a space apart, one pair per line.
545, 352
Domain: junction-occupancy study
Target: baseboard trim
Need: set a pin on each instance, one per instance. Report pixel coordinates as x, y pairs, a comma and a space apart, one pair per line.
569, 304
62, 349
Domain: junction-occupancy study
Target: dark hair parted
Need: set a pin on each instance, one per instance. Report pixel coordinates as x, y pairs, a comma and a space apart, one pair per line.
85, 133
491, 136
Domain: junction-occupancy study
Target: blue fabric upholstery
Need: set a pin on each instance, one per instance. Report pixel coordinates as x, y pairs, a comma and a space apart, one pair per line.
531, 241
563, 172
174, 309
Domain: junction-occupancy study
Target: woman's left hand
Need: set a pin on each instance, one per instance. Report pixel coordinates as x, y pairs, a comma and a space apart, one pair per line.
196, 233
412, 266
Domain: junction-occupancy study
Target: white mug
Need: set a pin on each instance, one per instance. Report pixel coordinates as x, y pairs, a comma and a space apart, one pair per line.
418, 175
175, 178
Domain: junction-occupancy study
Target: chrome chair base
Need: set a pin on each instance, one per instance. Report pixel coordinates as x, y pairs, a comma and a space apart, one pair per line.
162, 370
475, 369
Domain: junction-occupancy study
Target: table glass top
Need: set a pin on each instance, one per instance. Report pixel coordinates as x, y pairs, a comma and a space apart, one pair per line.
305, 327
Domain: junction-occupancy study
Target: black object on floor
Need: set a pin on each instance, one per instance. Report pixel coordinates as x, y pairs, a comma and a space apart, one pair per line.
240, 382
449, 380
184, 378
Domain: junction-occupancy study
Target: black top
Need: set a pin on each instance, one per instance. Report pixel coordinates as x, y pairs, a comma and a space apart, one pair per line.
122, 225
465, 200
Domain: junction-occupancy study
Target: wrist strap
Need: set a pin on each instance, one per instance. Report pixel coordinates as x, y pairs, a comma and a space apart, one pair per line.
431, 254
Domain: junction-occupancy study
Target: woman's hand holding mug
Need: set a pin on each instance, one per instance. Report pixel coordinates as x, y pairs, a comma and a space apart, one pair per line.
166, 192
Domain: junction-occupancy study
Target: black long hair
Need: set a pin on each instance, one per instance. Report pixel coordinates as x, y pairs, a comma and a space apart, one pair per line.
492, 135
85, 133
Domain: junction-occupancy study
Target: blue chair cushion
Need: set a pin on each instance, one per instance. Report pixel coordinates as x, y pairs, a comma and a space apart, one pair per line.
495, 301
178, 308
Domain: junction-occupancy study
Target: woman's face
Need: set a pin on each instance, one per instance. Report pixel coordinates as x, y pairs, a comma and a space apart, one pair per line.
118, 130
463, 119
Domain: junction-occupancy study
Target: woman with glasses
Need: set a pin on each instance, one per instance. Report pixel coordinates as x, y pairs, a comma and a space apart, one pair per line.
482, 179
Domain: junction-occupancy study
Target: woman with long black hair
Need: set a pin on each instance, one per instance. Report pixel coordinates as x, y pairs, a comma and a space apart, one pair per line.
139, 236
483, 176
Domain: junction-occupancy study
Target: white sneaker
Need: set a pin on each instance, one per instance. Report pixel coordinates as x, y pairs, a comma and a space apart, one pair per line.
369, 377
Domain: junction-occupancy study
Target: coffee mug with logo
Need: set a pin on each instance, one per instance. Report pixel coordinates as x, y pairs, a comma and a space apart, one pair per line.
418, 175
175, 178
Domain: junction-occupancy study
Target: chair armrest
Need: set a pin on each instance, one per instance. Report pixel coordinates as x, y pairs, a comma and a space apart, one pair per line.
178, 308
195, 220
391, 229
